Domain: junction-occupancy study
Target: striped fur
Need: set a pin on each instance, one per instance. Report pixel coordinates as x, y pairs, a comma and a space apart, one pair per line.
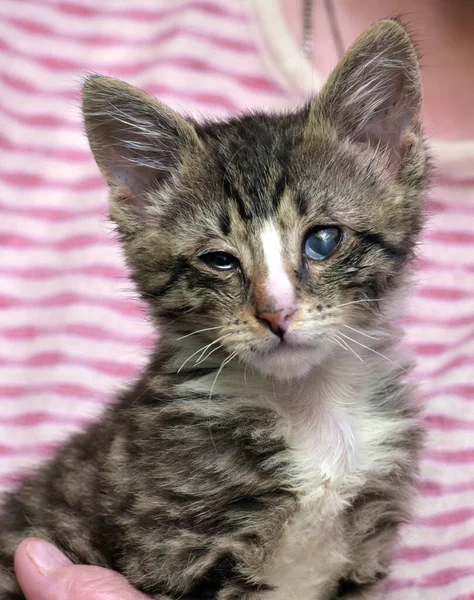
240, 466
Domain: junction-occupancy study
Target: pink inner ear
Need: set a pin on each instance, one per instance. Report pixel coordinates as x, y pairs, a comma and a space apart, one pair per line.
137, 157
133, 177
374, 95
389, 118
137, 142
388, 122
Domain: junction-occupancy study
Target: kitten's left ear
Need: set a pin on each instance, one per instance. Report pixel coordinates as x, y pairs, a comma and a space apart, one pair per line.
374, 95
138, 143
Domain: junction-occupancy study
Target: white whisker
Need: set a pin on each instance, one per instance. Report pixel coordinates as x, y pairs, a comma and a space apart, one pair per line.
346, 346
374, 351
362, 333
199, 331
224, 363
202, 349
359, 302
338, 342
202, 358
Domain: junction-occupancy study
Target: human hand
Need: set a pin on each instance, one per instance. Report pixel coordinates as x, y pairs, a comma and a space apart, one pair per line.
44, 573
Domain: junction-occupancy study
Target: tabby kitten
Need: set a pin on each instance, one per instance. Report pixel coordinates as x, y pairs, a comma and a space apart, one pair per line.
269, 449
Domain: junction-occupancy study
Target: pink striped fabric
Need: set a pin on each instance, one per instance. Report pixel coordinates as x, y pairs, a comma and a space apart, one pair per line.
71, 331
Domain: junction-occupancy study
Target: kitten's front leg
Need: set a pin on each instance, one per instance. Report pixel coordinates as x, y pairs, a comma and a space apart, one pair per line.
374, 521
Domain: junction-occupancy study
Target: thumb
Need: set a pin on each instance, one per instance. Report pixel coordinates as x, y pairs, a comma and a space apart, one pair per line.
44, 573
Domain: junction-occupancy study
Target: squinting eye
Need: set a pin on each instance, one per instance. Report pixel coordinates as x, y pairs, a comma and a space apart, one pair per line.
321, 243
220, 260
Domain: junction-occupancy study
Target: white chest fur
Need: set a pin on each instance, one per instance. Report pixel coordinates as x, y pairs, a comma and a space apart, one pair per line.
334, 442
310, 553
311, 550
336, 437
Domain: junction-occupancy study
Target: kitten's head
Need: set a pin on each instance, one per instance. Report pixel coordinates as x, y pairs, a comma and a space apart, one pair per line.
273, 234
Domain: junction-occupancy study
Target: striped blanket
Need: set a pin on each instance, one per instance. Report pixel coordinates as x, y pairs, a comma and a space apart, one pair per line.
71, 330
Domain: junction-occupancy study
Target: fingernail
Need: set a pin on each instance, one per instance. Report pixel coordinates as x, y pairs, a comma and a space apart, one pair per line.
46, 556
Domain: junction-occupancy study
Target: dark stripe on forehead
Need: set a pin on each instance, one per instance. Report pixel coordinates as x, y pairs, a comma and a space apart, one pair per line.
233, 194
224, 221
279, 189
377, 240
301, 203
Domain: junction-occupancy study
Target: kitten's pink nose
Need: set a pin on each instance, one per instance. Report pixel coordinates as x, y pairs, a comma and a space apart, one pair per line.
279, 320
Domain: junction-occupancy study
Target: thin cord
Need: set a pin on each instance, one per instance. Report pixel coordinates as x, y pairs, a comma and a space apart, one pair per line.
308, 29
308, 37
335, 29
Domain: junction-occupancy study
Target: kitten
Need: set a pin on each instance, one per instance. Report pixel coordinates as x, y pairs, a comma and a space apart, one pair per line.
269, 449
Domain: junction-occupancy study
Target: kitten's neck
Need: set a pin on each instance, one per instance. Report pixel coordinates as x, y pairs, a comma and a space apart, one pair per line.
346, 371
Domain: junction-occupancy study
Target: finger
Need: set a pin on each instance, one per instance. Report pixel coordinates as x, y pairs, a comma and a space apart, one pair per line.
44, 573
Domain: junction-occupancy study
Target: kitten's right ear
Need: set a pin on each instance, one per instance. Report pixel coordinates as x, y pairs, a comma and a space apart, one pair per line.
373, 96
137, 142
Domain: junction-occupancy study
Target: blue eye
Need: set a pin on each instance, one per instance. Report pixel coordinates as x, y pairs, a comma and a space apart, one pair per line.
221, 261
321, 243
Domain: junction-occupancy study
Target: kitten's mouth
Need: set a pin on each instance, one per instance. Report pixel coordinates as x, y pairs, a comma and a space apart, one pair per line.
285, 346
287, 359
